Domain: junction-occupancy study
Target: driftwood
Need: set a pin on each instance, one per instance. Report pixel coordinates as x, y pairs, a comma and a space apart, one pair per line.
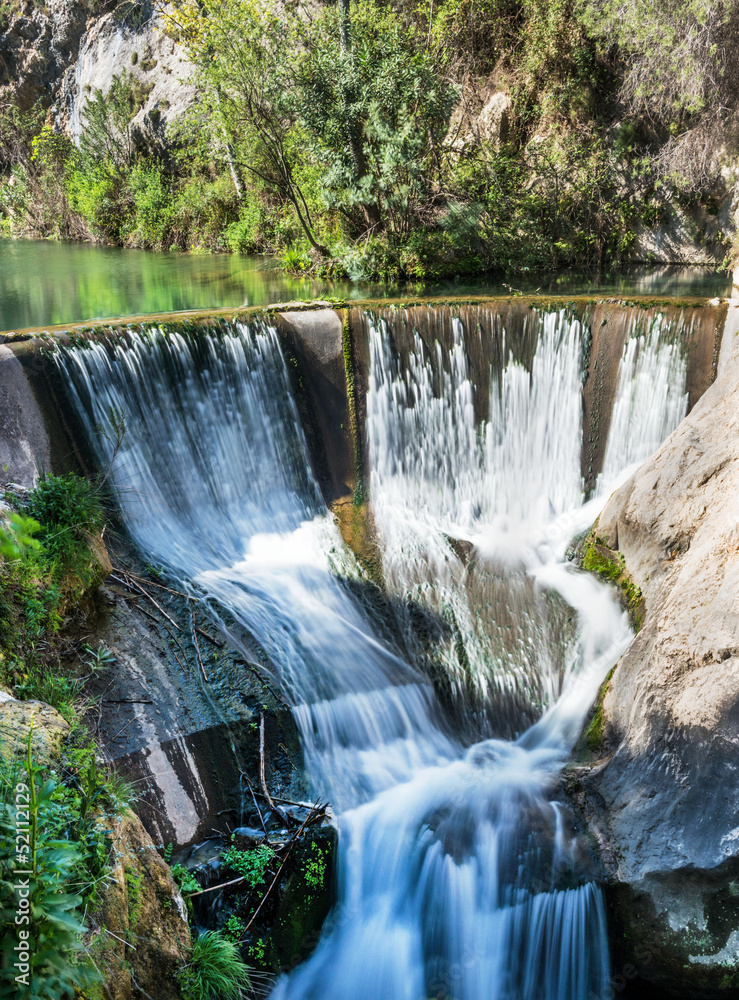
265, 791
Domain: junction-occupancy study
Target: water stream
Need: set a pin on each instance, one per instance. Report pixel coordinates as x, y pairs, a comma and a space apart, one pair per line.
461, 875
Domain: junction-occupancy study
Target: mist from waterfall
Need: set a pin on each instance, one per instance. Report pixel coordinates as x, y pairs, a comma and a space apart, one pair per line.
461, 874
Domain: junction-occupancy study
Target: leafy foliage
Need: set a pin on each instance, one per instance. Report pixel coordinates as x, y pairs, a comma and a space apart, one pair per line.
252, 865
46, 565
67, 854
350, 138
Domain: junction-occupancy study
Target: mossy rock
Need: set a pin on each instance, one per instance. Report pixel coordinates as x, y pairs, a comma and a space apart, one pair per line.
357, 528
138, 935
16, 720
306, 900
597, 557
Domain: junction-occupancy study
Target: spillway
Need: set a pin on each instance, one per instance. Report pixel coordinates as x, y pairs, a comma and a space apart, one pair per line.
461, 873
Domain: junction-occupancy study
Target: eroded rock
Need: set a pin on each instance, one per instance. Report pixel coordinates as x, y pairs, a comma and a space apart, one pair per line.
18, 718
665, 805
139, 935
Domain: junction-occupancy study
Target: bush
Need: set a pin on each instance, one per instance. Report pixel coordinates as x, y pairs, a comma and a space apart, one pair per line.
46, 566
215, 971
67, 854
68, 508
251, 865
153, 207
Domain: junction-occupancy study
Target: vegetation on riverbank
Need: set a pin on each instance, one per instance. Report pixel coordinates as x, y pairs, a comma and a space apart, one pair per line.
50, 561
399, 139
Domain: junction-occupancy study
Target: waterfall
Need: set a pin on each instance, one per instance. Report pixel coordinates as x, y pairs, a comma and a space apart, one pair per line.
460, 872
439, 478
214, 483
650, 401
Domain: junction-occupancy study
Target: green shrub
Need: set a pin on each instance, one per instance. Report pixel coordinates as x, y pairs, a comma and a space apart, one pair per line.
65, 852
47, 565
252, 865
234, 928
17, 540
215, 971
185, 879
153, 207
68, 508
296, 260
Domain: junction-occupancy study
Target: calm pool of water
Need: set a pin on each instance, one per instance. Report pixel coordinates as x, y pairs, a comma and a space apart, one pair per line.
44, 283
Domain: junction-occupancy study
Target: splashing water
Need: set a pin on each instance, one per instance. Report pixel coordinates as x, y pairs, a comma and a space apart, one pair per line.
437, 478
460, 873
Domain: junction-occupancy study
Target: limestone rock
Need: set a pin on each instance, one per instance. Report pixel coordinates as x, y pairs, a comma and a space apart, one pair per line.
139, 935
493, 122
16, 719
38, 43
665, 805
141, 48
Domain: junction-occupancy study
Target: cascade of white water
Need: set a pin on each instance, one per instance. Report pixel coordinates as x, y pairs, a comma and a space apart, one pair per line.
650, 401
214, 483
438, 478
459, 875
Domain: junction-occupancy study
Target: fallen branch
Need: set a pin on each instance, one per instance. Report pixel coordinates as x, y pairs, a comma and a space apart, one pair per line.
127, 944
210, 638
263, 780
254, 800
159, 586
212, 888
197, 646
133, 585
289, 802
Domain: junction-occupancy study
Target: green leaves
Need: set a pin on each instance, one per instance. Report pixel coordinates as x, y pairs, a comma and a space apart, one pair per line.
251, 865
373, 113
17, 539
54, 927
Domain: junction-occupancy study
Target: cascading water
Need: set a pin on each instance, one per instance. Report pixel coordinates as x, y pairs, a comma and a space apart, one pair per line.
650, 401
214, 483
460, 875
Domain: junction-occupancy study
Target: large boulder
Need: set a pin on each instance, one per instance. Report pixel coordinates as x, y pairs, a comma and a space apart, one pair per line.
663, 800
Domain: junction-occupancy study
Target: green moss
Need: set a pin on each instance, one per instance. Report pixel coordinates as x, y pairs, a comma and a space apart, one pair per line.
134, 879
610, 566
314, 871
594, 737
305, 902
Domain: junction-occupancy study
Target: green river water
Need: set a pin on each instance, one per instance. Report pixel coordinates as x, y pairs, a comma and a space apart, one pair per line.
44, 283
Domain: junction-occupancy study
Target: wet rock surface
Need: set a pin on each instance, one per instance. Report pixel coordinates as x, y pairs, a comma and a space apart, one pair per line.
663, 802
179, 712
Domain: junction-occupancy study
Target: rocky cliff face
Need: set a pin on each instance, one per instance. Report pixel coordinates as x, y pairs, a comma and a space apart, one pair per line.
59, 53
37, 43
664, 800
